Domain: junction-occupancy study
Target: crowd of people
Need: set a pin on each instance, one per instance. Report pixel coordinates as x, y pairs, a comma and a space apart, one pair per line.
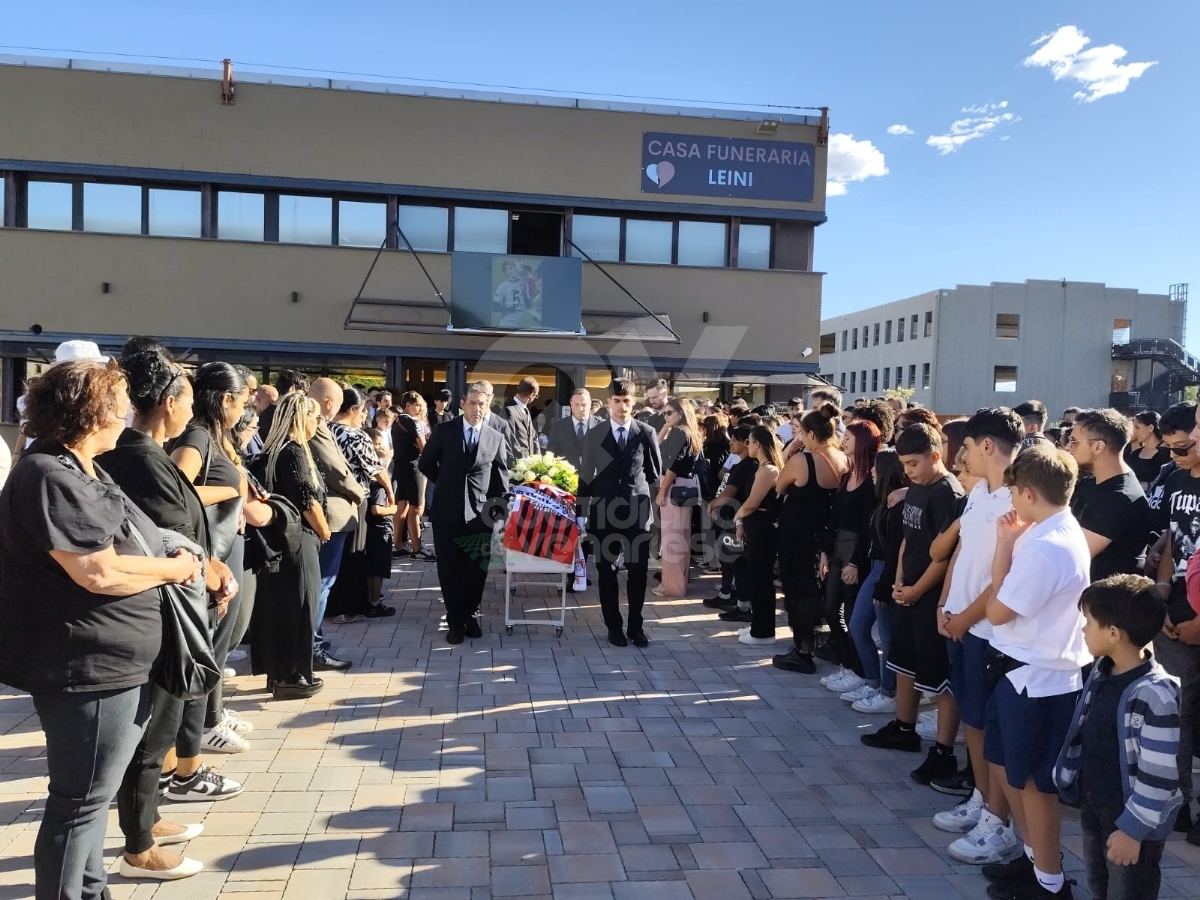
990, 566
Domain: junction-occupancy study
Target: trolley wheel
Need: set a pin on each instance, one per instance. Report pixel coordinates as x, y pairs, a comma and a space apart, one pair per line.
508, 629
558, 630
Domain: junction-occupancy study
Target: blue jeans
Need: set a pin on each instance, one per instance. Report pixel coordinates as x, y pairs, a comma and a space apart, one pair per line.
865, 616
90, 740
330, 557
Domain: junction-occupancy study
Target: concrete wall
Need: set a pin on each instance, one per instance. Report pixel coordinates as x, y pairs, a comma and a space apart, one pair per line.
911, 351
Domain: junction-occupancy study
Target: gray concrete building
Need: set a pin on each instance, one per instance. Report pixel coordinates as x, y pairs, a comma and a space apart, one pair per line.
1066, 343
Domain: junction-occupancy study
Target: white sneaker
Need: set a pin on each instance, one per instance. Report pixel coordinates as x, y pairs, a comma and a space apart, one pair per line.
878, 702
859, 693
987, 842
927, 725
745, 629
228, 673
223, 739
232, 719
825, 679
753, 641
237, 654
927, 700
962, 818
844, 681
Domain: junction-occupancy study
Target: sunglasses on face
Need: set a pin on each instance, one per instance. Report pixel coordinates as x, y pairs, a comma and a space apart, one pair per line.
1182, 451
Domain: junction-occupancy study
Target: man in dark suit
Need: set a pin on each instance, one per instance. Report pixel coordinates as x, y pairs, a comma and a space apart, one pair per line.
620, 462
567, 434
516, 410
497, 422
467, 462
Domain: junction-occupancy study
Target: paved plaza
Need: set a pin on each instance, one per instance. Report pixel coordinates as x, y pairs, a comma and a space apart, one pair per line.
537, 766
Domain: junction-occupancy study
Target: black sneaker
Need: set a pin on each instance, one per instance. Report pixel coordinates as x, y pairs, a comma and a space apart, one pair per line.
204, 786
323, 662
960, 784
379, 611
938, 764
424, 556
400, 552
164, 782
795, 661
1017, 871
735, 615
721, 601
892, 737
472, 629
1033, 891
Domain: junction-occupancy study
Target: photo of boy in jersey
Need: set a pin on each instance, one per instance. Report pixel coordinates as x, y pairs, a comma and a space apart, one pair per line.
517, 292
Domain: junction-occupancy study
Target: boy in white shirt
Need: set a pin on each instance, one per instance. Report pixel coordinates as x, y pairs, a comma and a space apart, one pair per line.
992, 439
1042, 565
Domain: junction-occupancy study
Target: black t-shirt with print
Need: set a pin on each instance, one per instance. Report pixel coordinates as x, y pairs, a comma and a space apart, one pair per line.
741, 478
1180, 512
1116, 509
1154, 493
928, 511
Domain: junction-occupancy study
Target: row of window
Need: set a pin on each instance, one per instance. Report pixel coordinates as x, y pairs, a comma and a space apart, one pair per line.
174, 211
858, 380
850, 336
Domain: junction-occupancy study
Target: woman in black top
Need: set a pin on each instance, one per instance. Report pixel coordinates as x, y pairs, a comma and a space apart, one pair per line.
844, 552
681, 447
755, 525
408, 440
286, 606
80, 620
806, 489
1145, 454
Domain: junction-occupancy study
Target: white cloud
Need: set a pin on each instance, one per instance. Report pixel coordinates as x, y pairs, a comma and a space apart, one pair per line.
1097, 69
980, 121
899, 130
851, 160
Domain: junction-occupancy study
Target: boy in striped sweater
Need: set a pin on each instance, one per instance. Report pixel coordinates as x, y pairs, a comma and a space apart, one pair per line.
1118, 762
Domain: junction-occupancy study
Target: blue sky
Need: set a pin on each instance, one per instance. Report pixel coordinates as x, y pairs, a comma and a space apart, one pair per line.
1099, 191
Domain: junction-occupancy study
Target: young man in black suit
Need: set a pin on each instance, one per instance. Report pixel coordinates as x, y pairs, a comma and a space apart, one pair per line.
567, 434
520, 421
467, 462
620, 462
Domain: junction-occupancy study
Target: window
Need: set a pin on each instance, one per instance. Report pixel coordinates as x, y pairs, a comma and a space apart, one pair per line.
361, 224
900, 330
1121, 331
863, 380
305, 220
924, 374
112, 208
912, 332
175, 213
855, 338
853, 382
1005, 378
754, 246
844, 332
899, 376
887, 378
866, 334
887, 331
842, 380
48, 205
1008, 325
876, 341
912, 376
929, 323
599, 236
648, 241
480, 230
426, 228
874, 381
702, 244
828, 344
240, 216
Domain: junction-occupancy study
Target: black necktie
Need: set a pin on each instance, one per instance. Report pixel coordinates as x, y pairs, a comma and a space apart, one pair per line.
472, 439
621, 436
579, 430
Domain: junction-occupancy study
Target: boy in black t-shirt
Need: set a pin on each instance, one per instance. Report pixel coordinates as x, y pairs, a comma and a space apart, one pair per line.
731, 494
918, 651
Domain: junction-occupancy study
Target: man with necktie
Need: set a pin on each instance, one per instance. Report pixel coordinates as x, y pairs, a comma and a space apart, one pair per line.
567, 434
520, 421
467, 462
620, 462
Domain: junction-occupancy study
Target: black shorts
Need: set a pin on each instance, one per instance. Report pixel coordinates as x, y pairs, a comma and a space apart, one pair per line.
918, 650
379, 553
410, 484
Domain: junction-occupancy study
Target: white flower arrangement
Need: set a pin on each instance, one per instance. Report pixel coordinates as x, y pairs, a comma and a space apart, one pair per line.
545, 468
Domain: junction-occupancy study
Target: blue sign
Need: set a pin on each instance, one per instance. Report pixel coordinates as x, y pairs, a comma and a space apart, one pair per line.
727, 167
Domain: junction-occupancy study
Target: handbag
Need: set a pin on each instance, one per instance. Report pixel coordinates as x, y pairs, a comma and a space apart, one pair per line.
684, 494
187, 666
732, 546
224, 518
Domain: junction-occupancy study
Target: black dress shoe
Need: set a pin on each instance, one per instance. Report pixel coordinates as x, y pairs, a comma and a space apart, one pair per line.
617, 639
455, 634
323, 662
472, 629
294, 690
638, 638
795, 661
735, 615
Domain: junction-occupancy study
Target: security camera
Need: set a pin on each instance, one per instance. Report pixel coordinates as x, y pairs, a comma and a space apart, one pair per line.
806, 352
35, 328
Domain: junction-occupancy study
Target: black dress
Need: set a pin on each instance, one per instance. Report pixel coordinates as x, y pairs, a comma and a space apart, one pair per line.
804, 512
288, 592
761, 547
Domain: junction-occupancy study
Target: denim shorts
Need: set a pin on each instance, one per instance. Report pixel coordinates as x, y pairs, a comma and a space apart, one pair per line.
1025, 734
969, 678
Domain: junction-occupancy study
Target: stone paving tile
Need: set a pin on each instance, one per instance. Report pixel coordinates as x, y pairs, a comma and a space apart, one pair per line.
538, 767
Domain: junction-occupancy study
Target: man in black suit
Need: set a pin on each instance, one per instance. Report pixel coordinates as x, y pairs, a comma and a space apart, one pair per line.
567, 434
516, 411
467, 462
620, 462
495, 421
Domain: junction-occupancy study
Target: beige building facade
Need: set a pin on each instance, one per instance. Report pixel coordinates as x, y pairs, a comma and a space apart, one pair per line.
137, 202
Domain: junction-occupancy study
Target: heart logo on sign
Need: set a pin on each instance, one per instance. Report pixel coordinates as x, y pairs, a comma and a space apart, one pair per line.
660, 173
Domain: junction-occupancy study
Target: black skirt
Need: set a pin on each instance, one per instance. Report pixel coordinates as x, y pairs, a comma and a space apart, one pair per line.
285, 609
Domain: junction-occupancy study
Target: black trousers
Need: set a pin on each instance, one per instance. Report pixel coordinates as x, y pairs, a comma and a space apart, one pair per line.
635, 545
1106, 880
137, 798
463, 556
760, 553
